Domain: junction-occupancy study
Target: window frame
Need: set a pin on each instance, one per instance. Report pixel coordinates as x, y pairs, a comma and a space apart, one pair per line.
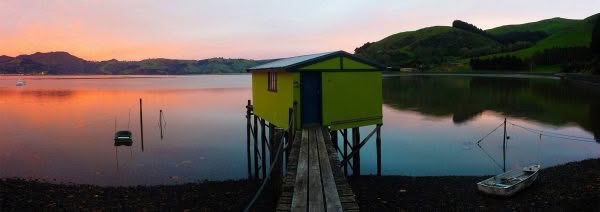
272, 82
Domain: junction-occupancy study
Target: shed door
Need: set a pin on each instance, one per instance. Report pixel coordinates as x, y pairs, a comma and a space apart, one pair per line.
310, 99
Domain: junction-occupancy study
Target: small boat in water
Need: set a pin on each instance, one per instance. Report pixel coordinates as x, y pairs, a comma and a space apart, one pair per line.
509, 183
123, 137
20, 82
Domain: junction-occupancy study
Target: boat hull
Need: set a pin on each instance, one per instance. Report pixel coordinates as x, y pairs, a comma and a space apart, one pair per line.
507, 191
491, 185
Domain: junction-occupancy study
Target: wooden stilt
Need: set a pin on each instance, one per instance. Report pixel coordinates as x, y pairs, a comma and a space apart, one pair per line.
378, 144
276, 169
356, 148
345, 151
248, 128
263, 152
271, 135
504, 146
255, 148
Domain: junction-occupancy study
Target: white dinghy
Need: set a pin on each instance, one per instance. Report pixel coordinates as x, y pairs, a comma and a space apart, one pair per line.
509, 183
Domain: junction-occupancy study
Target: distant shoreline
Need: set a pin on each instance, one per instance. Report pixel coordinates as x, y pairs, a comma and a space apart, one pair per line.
105, 76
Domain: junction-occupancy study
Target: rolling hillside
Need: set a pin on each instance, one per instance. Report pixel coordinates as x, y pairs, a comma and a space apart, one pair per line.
434, 47
429, 45
562, 33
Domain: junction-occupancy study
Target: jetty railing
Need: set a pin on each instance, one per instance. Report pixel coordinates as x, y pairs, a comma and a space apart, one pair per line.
278, 141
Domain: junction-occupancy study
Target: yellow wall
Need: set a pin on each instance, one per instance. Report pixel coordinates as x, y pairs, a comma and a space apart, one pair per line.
333, 63
273, 106
351, 64
353, 98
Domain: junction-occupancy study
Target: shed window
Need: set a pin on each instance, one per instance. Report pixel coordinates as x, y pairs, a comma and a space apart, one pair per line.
273, 81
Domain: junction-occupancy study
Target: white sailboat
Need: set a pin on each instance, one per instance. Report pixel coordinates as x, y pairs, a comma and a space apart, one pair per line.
20, 82
509, 182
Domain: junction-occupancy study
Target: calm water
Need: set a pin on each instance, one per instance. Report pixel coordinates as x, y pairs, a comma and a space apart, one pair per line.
61, 129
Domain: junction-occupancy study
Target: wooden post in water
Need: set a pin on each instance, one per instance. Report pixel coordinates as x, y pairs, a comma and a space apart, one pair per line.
504, 146
248, 128
378, 144
276, 169
345, 151
356, 148
255, 145
263, 153
160, 124
141, 125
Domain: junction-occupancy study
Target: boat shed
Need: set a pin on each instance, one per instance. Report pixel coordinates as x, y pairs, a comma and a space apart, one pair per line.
334, 89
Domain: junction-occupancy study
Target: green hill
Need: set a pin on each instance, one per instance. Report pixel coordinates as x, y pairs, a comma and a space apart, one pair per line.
549, 26
429, 45
563, 33
437, 46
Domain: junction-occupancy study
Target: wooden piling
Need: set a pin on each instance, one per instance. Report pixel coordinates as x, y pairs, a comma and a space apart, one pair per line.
356, 148
160, 121
378, 144
271, 135
255, 145
263, 153
345, 151
276, 169
248, 128
504, 146
290, 131
141, 125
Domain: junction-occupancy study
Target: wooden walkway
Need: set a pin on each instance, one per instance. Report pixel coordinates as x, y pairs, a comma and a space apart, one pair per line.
314, 179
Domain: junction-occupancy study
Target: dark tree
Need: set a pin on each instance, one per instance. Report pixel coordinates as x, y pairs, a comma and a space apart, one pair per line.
363, 48
471, 28
595, 45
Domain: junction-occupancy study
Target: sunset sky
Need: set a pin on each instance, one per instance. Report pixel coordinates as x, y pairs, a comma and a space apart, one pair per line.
195, 29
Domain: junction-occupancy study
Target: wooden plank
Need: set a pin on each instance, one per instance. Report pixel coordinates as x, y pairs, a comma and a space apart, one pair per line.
300, 196
315, 188
332, 200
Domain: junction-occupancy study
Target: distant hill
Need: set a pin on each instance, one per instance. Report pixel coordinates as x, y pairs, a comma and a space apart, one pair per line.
65, 63
59, 63
435, 46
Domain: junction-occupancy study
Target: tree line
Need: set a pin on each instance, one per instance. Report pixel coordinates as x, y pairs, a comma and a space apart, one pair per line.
505, 38
499, 63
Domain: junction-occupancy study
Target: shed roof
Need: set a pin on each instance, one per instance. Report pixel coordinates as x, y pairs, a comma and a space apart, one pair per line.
291, 63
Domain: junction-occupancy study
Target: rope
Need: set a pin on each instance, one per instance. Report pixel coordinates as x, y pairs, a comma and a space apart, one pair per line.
478, 141
490, 157
556, 135
258, 193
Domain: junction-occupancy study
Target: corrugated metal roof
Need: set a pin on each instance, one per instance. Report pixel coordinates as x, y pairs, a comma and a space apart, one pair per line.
285, 62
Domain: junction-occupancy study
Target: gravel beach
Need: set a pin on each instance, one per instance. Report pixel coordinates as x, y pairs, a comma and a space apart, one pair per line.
570, 187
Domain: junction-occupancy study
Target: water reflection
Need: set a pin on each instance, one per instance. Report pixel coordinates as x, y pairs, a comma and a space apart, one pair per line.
70, 138
63, 129
463, 98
